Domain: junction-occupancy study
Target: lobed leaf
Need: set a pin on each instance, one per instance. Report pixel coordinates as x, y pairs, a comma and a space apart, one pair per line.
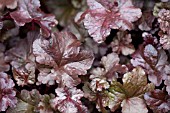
61, 59
29, 11
102, 16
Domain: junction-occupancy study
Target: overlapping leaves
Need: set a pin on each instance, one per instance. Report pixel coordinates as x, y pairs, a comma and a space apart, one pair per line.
29, 11
22, 60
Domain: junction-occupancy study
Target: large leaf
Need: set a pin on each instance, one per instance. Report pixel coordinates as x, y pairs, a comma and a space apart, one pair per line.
104, 15
134, 86
61, 59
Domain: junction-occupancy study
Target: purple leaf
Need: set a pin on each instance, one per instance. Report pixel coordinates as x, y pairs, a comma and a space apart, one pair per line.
153, 60
68, 100
134, 105
158, 101
62, 59
101, 76
104, 15
7, 93
29, 11
122, 43
22, 60
163, 19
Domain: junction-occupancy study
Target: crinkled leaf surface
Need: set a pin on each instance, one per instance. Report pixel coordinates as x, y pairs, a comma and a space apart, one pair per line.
134, 86
7, 93
163, 19
104, 15
101, 76
62, 59
29, 11
68, 100
123, 44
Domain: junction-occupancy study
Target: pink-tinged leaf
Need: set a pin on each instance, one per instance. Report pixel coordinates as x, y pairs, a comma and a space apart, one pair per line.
134, 105
102, 16
163, 19
7, 93
29, 11
68, 101
62, 59
22, 60
12, 4
123, 44
158, 101
164, 40
153, 60
101, 76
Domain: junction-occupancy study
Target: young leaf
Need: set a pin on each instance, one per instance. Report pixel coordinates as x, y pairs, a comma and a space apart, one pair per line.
122, 43
102, 16
101, 76
44, 105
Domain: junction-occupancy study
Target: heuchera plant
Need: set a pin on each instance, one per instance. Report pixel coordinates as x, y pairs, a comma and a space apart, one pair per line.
85, 56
